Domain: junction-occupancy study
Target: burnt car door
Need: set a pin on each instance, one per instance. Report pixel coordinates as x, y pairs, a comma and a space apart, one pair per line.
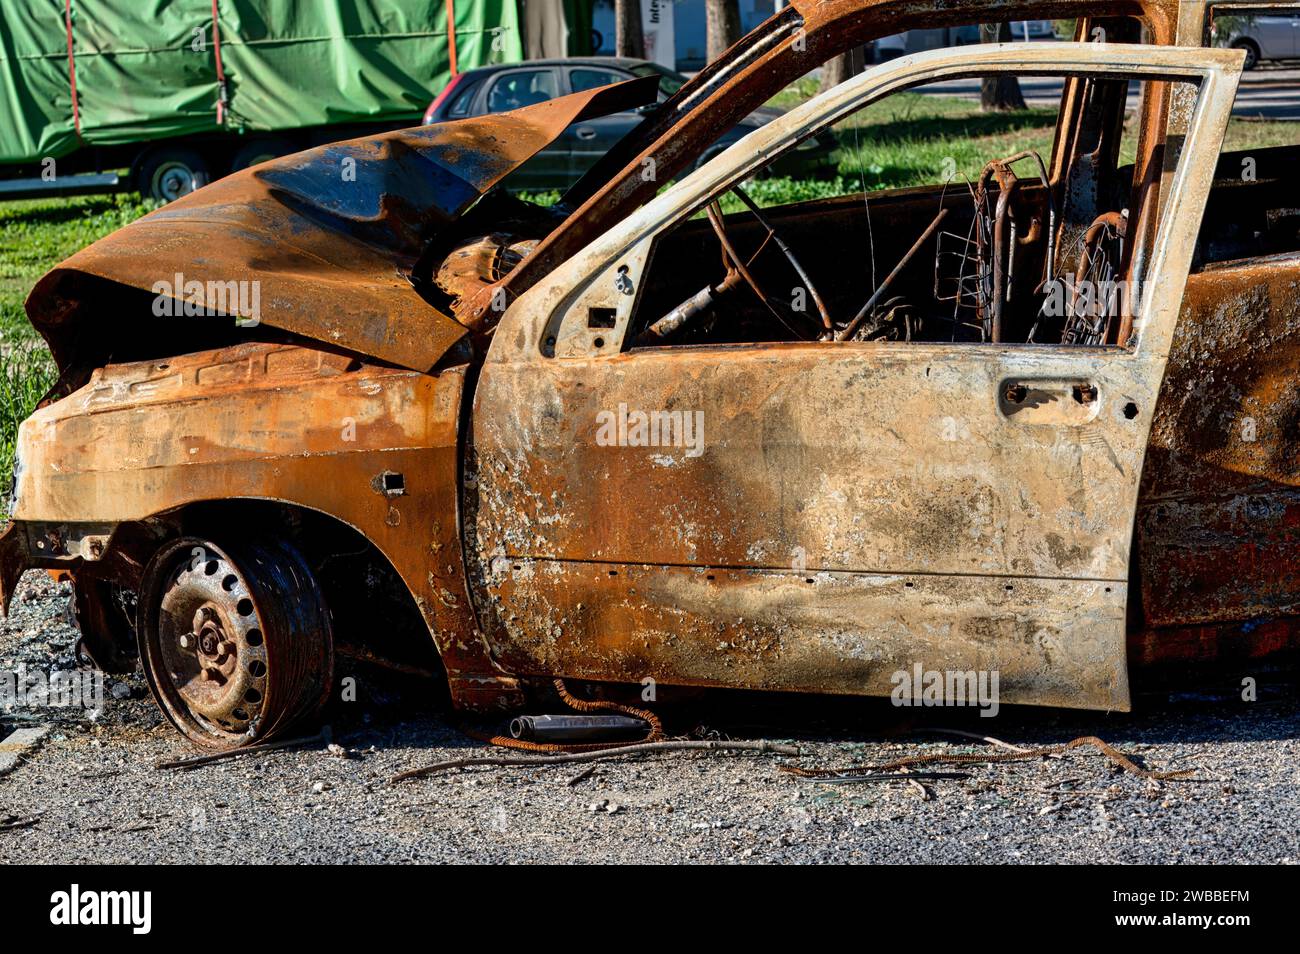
823, 515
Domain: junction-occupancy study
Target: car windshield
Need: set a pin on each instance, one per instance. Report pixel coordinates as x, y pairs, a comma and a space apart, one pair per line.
670, 81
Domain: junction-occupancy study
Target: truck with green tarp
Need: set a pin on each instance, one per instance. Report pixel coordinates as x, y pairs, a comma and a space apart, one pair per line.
163, 96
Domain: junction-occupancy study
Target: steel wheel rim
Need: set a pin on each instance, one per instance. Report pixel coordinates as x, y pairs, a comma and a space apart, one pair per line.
188, 593
254, 614
212, 662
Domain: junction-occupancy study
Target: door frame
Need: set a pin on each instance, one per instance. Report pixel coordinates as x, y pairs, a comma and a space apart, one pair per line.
550, 308
544, 340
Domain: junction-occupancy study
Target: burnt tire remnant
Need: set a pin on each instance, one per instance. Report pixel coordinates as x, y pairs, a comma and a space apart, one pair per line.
236, 640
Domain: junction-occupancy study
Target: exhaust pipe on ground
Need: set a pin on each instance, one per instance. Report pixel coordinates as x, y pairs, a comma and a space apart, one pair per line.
576, 728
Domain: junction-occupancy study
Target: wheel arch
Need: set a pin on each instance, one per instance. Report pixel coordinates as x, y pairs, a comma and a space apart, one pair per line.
324, 538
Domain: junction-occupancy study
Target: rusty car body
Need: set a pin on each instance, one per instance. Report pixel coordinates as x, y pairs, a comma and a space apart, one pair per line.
400, 456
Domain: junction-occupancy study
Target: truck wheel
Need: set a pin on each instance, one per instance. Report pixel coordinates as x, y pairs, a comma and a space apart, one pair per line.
1252, 53
261, 150
168, 174
236, 642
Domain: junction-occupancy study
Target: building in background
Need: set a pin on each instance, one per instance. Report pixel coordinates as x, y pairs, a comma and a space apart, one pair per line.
681, 20
556, 28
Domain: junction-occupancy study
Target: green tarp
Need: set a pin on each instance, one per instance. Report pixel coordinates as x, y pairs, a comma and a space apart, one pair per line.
146, 69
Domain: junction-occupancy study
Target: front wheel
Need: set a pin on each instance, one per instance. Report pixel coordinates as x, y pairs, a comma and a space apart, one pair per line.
236, 641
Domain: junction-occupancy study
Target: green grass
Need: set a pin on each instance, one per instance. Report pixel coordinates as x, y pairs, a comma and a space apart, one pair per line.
35, 236
914, 139
1246, 134
26, 372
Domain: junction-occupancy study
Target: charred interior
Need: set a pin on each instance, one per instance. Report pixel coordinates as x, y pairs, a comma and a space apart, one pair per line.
1003, 259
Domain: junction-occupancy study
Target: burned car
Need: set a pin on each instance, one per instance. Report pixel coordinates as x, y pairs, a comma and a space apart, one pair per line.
633, 437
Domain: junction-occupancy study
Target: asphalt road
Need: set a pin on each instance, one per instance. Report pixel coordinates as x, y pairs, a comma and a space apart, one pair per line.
92, 793
1266, 93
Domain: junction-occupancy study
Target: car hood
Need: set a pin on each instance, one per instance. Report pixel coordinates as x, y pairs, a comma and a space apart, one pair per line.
324, 240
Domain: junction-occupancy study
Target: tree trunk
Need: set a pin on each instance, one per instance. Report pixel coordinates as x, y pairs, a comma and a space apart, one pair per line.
628, 39
836, 71
722, 26
1001, 91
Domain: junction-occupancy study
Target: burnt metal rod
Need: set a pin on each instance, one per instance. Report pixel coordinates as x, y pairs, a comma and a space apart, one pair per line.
22, 823
644, 748
197, 760
789, 255
884, 286
575, 728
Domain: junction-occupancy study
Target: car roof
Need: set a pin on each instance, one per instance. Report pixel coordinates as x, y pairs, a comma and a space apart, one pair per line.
623, 62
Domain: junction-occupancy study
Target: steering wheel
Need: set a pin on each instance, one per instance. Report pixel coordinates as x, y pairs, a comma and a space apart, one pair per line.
737, 269
738, 273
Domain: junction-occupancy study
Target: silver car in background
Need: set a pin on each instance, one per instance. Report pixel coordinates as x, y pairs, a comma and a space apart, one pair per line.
1262, 37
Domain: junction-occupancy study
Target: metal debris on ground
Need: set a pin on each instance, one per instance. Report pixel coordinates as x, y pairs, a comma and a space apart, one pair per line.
12, 823
653, 728
575, 728
1105, 748
647, 748
200, 760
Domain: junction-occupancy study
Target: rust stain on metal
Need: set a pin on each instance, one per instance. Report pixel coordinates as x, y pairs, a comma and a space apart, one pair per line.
331, 234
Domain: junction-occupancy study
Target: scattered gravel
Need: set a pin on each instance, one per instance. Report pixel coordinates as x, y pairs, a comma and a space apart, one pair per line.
100, 800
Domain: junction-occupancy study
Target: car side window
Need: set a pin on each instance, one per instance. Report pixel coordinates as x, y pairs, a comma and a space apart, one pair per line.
946, 226
584, 79
460, 104
1252, 211
522, 88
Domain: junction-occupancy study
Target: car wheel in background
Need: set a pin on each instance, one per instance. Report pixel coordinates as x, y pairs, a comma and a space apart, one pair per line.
236, 641
1252, 52
167, 174
710, 153
104, 614
260, 150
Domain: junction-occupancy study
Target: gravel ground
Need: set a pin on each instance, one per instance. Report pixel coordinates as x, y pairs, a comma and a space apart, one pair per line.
100, 799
